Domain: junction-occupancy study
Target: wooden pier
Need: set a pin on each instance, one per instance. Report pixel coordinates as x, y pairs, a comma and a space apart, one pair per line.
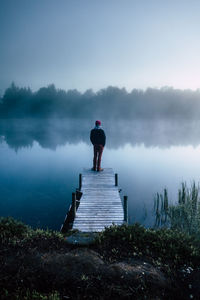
100, 204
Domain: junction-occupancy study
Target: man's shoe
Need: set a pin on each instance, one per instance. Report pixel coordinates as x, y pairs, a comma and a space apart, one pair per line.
99, 170
93, 169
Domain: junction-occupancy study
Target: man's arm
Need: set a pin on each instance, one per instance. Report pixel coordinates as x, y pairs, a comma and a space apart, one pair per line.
92, 136
103, 138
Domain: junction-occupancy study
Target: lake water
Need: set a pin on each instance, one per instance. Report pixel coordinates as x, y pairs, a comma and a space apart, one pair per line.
40, 162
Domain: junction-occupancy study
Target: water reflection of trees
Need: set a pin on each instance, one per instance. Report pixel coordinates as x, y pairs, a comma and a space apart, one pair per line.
51, 133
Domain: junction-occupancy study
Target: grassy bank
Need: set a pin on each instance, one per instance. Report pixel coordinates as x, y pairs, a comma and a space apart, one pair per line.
123, 262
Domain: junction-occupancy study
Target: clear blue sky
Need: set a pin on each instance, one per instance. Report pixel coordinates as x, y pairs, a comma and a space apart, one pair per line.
95, 43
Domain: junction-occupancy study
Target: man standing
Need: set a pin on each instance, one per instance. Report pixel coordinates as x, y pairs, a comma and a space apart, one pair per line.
98, 139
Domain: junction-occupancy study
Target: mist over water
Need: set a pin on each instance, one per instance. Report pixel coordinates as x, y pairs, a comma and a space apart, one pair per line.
52, 133
41, 160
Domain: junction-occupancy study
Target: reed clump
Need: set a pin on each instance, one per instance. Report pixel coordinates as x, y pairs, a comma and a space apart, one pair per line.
184, 215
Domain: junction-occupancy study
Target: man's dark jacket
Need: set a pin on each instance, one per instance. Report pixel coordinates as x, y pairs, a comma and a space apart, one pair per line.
98, 137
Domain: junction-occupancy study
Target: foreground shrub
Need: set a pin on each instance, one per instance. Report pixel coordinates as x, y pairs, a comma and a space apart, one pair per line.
13, 229
164, 245
14, 232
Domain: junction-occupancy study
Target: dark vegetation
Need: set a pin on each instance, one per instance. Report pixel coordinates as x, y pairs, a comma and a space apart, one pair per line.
109, 103
124, 262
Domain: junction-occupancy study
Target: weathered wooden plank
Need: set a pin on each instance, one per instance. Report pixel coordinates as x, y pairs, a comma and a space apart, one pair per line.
103, 207
96, 223
98, 203
96, 219
88, 214
99, 200
86, 211
94, 228
96, 211
98, 208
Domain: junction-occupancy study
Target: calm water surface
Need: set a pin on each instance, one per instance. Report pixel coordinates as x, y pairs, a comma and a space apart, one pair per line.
40, 162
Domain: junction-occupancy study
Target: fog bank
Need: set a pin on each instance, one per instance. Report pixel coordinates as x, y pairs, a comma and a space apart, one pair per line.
109, 103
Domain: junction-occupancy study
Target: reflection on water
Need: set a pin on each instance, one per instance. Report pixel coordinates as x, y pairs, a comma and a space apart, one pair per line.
36, 183
51, 133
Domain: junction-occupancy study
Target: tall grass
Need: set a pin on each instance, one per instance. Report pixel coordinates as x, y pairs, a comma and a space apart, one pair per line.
184, 215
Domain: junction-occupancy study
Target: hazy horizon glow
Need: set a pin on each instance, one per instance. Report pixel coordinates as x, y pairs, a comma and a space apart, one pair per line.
94, 44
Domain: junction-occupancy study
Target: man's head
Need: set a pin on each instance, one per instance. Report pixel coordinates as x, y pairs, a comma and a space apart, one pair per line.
98, 123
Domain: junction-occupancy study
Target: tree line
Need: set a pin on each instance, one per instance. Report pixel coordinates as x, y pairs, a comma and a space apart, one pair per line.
109, 103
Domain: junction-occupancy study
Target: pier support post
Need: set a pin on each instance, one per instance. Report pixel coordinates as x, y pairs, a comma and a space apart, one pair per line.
116, 179
126, 209
74, 205
80, 181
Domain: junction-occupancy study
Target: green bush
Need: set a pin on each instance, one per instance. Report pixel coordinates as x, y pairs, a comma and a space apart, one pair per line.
13, 229
14, 232
164, 244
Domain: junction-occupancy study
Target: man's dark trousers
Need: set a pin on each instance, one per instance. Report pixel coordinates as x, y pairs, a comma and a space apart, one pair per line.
98, 150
